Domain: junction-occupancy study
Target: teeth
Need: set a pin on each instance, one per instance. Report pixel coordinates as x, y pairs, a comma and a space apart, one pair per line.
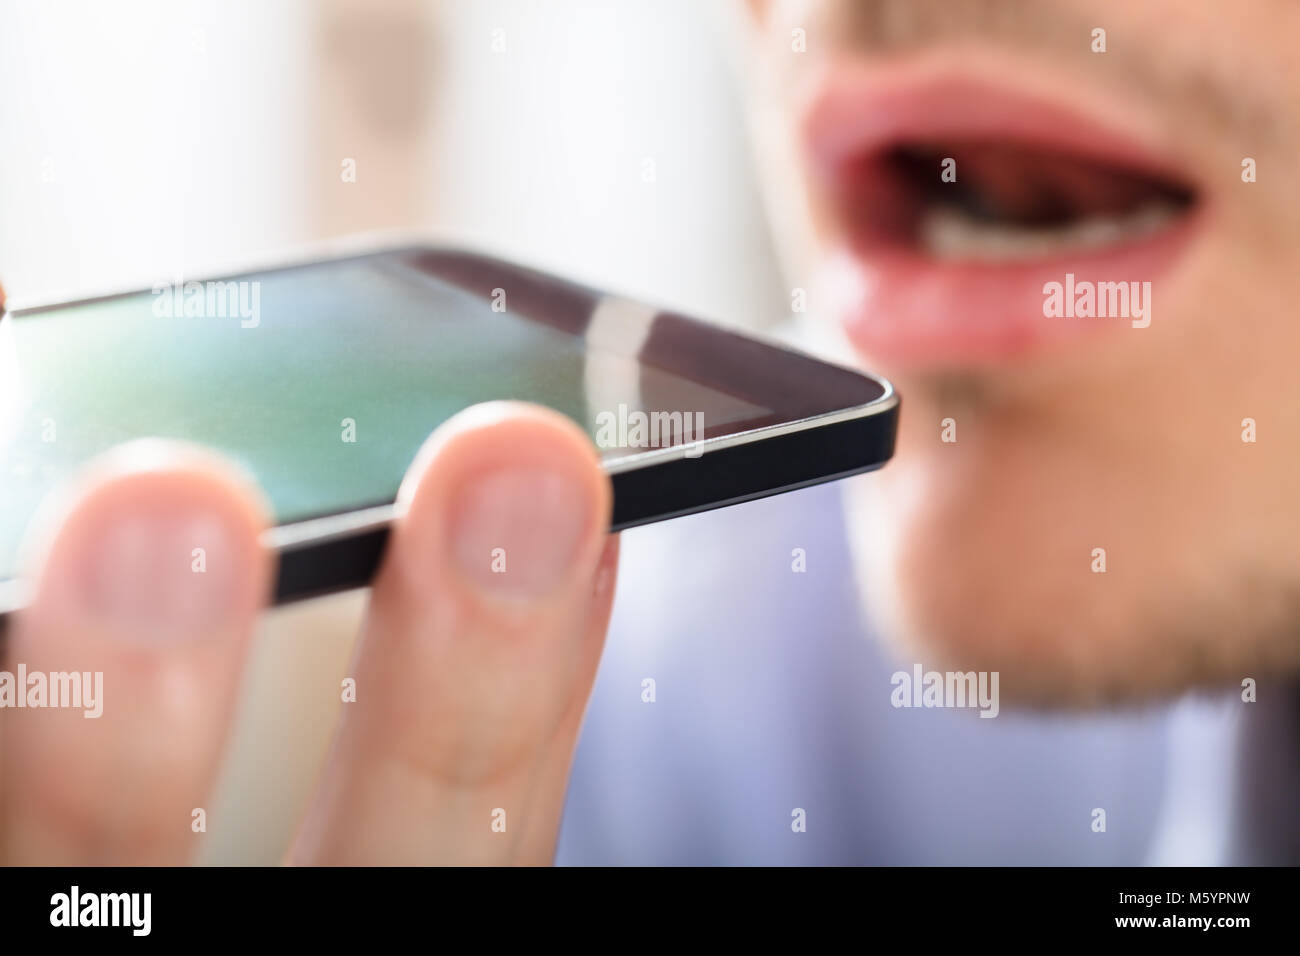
948, 233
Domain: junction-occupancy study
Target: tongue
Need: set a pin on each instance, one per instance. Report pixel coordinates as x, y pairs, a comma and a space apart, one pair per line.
1022, 185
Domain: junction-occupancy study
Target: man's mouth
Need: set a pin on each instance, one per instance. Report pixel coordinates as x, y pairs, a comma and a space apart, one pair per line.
1012, 202
957, 204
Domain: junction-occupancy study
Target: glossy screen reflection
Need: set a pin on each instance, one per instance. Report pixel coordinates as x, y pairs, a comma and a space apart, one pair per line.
323, 381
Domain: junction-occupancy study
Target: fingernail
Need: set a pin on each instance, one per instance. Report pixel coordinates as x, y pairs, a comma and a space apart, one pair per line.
162, 570
516, 532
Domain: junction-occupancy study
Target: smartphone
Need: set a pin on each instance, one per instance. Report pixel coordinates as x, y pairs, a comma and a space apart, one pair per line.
323, 378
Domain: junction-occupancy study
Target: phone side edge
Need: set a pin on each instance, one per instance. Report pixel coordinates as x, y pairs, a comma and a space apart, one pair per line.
340, 552
347, 549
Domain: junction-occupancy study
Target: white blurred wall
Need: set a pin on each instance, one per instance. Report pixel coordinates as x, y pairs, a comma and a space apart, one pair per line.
548, 157
148, 136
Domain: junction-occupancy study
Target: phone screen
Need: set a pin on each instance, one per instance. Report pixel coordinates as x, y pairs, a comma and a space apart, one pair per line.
322, 380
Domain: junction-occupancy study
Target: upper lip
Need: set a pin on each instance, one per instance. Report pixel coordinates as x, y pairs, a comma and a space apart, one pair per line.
858, 113
862, 111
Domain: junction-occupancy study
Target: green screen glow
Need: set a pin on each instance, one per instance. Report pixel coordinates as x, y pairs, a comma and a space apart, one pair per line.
369, 341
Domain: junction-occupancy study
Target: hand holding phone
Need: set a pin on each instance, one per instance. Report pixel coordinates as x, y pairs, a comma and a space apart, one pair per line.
478, 653
209, 476
322, 379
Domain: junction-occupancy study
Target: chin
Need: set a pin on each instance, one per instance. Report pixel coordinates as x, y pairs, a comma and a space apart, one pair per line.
963, 567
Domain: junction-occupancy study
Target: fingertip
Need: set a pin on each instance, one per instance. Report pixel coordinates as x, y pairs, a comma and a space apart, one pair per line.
511, 497
491, 429
152, 537
148, 575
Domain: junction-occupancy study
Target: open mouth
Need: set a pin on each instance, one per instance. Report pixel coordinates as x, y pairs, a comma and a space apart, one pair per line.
956, 203
994, 201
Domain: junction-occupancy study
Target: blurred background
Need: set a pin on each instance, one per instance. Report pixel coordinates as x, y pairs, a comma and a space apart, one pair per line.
598, 139
603, 141
144, 140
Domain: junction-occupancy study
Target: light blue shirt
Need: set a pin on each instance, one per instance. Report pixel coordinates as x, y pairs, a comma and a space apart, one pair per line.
771, 696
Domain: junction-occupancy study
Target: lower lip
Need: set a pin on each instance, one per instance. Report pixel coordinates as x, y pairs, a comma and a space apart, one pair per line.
905, 309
